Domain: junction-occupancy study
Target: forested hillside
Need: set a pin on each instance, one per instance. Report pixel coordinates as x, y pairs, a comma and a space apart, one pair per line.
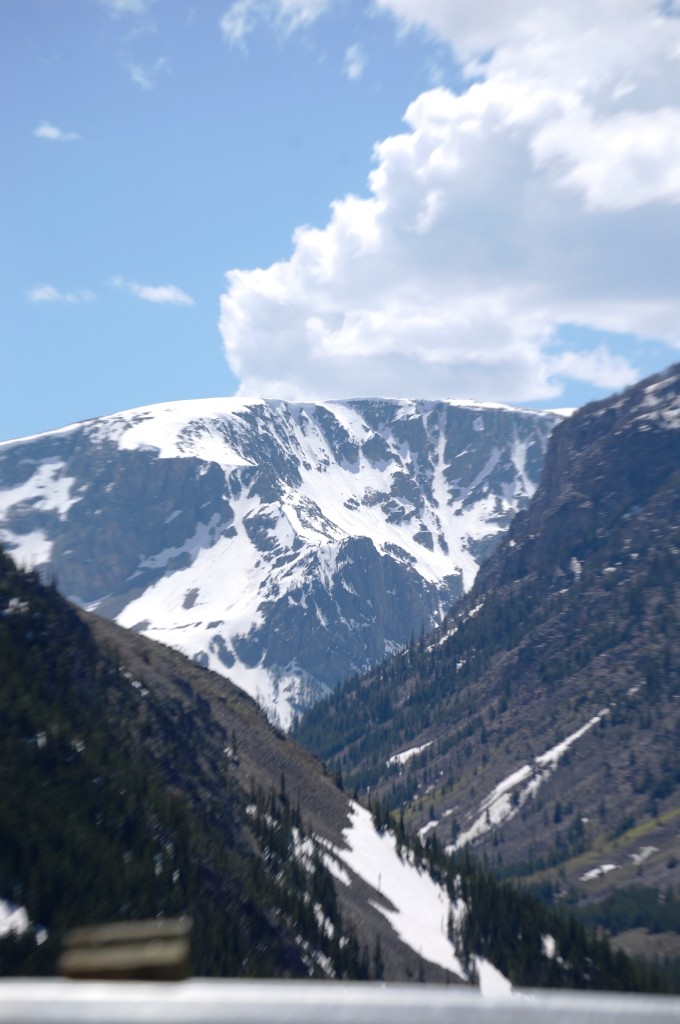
136, 784
107, 812
540, 725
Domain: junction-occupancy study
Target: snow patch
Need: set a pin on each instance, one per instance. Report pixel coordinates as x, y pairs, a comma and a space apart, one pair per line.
644, 854
14, 920
29, 550
46, 491
598, 872
406, 755
492, 983
506, 799
421, 907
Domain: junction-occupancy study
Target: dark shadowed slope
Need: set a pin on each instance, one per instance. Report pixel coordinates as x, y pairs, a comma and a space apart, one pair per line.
137, 784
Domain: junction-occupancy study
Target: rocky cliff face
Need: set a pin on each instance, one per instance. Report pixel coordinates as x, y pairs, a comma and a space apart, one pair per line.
284, 545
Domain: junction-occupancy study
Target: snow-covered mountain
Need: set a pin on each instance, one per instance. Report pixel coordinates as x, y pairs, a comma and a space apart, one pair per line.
284, 545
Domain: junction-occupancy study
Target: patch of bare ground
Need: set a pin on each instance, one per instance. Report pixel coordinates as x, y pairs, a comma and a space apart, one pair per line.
253, 752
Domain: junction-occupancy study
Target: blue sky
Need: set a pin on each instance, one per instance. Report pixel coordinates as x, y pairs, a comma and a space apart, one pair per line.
515, 238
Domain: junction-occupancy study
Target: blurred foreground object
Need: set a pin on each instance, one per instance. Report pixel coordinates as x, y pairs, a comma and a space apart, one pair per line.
222, 1001
155, 950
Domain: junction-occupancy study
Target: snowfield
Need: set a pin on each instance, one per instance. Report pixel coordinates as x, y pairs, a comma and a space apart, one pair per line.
418, 908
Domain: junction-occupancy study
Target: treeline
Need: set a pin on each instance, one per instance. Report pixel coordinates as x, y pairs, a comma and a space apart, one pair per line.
293, 877
637, 906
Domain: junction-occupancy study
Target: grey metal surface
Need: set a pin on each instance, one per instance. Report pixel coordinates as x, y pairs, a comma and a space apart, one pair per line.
276, 1002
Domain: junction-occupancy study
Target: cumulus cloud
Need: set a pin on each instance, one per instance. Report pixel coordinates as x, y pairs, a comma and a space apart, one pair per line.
48, 293
168, 294
286, 16
355, 62
45, 130
544, 194
617, 162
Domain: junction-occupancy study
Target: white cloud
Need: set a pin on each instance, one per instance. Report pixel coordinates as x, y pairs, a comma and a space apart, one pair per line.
140, 77
146, 77
597, 36
168, 294
546, 193
48, 293
238, 21
355, 62
45, 130
284, 15
118, 7
617, 162
597, 366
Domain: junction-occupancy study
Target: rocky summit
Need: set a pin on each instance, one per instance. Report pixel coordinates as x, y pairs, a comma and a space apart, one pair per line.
286, 546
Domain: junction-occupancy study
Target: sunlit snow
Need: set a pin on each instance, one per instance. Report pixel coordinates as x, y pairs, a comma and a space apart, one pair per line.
420, 907
13, 919
343, 470
505, 800
45, 490
27, 549
492, 983
644, 854
603, 869
406, 755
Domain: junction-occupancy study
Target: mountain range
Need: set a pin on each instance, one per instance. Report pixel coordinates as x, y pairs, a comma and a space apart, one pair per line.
285, 546
535, 727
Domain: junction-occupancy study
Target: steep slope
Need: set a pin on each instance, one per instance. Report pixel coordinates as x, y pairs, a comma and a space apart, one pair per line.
540, 725
285, 546
137, 784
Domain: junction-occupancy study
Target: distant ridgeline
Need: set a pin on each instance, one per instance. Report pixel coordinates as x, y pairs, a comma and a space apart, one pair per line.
136, 784
540, 725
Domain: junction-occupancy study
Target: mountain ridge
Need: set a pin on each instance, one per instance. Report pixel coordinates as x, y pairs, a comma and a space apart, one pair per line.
286, 545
